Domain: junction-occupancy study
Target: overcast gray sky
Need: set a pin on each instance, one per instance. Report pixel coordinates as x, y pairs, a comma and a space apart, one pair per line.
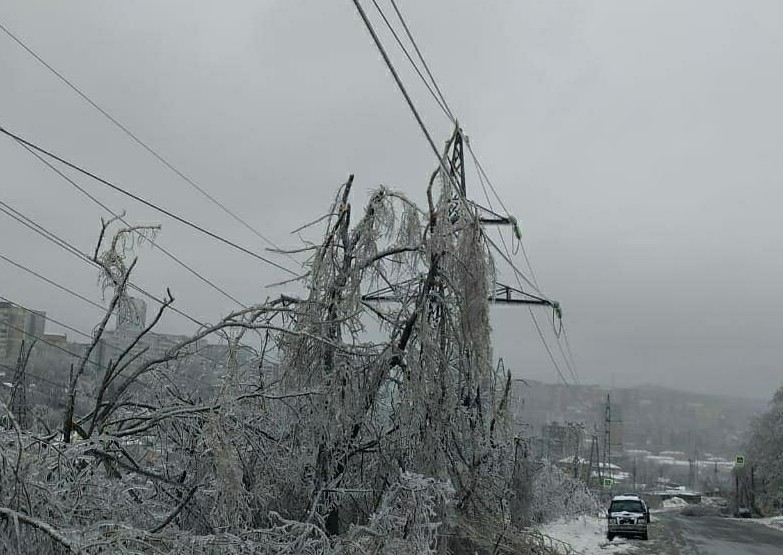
638, 143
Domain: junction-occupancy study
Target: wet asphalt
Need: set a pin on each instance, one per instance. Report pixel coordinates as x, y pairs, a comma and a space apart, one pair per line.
674, 534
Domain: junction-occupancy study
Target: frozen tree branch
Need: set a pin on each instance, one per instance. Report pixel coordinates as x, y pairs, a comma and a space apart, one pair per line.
44, 527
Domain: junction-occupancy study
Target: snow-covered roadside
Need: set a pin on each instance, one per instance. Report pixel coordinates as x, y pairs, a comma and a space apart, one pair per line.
775, 522
674, 503
587, 536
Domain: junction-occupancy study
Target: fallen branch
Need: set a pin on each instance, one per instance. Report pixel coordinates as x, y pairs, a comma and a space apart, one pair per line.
175, 512
45, 527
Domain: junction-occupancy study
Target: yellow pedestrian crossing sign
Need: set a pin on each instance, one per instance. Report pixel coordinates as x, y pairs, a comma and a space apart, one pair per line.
739, 461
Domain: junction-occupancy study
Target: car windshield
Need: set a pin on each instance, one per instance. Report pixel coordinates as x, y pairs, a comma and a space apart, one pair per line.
629, 505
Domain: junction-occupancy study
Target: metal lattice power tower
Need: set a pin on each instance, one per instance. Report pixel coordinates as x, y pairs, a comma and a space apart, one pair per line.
502, 293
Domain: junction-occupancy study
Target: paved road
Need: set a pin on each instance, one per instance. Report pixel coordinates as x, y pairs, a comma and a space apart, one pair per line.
674, 534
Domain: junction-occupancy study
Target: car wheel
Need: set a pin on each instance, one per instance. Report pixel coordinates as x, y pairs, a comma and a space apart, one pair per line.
609, 537
644, 536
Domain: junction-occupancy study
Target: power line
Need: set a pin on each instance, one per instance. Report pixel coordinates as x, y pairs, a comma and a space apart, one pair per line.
32, 225
54, 345
31, 375
154, 244
517, 274
49, 318
145, 202
79, 357
53, 283
38, 378
400, 85
568, 344
105, 341
569, 363
141, 143
424, 63
482, 175
441, 100
413, 63
405, 94
546, 346
68, 247
424, 129
47, 342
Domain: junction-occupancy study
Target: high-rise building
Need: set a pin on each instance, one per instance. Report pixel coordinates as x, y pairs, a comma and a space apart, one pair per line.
18, 325
131, 315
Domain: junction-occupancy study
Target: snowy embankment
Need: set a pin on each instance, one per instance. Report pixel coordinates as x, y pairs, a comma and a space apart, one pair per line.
674, 503
587, 536
773, 522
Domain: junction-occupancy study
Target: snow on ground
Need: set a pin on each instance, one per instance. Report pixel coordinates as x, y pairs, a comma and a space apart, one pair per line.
587, 536
674, 502
773, 522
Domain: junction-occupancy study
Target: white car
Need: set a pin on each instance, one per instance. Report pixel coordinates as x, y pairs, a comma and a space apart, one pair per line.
628, 515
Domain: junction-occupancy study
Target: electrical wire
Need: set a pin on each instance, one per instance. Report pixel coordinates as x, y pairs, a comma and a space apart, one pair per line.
68, 247
106, 342
482, 177
51, 282
382, 50
61, 324
145, 202
141, 143
34, 226
154, 244
41, 379
517, 274
413, 63
88, 361
443, 102
424, 129
568, 344
54, 345
570, 365
546, 346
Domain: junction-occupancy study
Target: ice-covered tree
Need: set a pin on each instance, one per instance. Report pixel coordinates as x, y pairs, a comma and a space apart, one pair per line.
765, 453
395, 441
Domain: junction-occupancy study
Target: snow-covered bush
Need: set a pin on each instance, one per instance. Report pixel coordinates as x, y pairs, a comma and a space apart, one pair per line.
407, 520
557, 495
765, 454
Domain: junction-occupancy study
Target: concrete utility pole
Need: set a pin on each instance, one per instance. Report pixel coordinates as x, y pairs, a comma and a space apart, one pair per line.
576, 429
607, 459
691, 477
18, 401
594, 462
